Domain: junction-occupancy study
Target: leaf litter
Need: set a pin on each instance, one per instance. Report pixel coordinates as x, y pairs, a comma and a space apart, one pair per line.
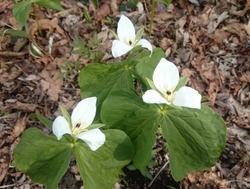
208, 40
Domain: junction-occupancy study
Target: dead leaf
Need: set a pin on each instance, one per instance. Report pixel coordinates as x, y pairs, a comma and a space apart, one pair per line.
244, 11
103, 11
114, 7
4, 167
49, 83
17, 105
215, 20
46, 24
19, 127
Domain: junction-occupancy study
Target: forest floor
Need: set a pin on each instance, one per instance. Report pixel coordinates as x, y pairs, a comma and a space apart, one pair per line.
210, 43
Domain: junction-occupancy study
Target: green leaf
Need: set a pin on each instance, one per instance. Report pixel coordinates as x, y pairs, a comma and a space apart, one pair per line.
101, 79
66, 115
125, 110
166, 2
115, 35
48, 123
43, 158
146, 65
139, 34
50, 4
21, 11
17, 33
182, 82
195, 139
101, 168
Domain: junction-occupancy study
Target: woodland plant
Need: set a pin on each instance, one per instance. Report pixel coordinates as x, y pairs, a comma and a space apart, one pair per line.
115, 124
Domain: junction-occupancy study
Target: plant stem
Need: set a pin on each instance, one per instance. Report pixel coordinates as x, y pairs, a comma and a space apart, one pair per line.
152, 17
38, 25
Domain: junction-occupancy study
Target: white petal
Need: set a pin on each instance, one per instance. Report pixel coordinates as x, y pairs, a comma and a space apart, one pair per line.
165, 76
153, 97
60, 127
187, 97
84, 112
145, 43
94, 138
119, 48
125, 29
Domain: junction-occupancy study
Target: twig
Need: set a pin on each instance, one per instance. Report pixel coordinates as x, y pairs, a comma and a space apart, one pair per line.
163, 167
8, 53
6, 186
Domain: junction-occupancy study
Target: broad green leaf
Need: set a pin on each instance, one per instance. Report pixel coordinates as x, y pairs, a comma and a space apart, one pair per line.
43, 158
17, 33
50, 4
125, 110
101, 168
195, 139
146, 65
21, 11
101, 79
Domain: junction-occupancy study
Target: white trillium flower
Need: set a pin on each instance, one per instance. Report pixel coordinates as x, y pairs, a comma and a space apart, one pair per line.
81, 118
165, 79
127, 38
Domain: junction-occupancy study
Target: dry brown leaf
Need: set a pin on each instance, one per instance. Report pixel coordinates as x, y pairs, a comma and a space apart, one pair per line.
9, 75
161, 18
209, 73
4, 5
245, 77
114, 7
46, 24
17, 105
212, 91
19, 127
49, 83
215, 20
103, 11
4, 167
45, 60
244, 11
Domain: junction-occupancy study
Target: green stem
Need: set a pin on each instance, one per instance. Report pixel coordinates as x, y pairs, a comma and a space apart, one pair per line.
152, 17
38, 25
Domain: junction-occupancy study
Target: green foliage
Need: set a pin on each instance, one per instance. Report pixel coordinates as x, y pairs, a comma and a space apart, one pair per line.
68, 69
91, 50
45, 159
128, 5
188, 133
166, 2
192, 135
21, 10
100, 169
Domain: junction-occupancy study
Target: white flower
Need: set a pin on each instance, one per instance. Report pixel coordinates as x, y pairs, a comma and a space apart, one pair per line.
165, 79
81, 118
127, 38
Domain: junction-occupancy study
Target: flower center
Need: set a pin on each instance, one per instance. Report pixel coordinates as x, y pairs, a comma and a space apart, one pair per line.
169, 96
78, 128
130, 41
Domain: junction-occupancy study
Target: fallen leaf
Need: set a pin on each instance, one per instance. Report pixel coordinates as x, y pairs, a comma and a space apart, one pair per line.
46, 24
19, 127
215, 20
17, 105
